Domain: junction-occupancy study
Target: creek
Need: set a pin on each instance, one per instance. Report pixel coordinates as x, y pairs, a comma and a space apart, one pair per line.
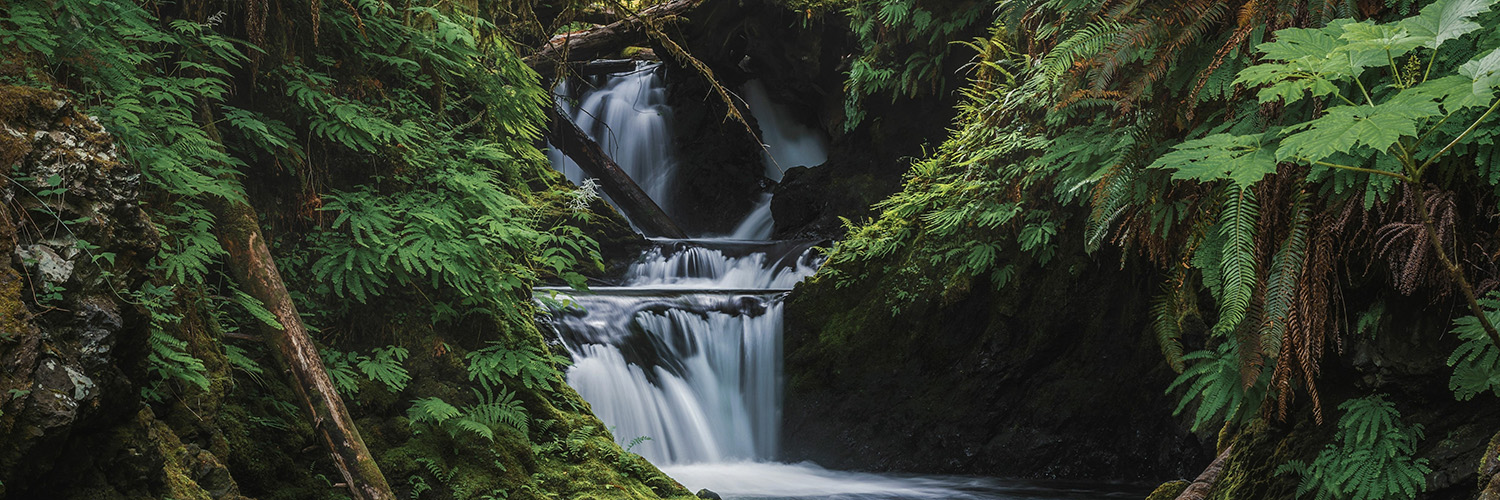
683, 359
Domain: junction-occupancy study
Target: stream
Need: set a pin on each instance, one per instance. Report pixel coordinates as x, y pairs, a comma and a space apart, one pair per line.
683, 360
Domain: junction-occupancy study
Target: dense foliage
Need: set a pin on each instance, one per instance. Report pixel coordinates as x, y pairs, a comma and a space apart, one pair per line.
1263, 156
391, 149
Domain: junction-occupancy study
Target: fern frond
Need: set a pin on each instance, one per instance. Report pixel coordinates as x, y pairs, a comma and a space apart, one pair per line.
1238, 225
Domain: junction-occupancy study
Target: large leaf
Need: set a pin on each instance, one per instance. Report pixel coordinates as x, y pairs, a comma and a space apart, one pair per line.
1243, 159
1485, 73
1344, 128
1445, 20
1373, 44
1454, 92
1293, 44
1288, 82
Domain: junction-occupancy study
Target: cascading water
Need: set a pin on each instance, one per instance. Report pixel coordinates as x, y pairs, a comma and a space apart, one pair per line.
687, 351
788, 143
688, 354
627, 115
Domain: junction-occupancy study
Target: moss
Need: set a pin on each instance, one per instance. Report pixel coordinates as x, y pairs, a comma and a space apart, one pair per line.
1168, 490
1259, 450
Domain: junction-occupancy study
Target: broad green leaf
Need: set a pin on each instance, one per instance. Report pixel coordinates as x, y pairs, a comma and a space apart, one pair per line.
1288, 82
1243, 159
1485, 73
1453, 92
1344, 128
1294, 44
1445, 20
1377, 44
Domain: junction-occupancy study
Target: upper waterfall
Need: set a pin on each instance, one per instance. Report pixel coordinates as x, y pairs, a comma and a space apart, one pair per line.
627, 114
789, 143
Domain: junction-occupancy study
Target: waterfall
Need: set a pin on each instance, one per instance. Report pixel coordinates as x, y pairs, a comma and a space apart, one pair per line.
789, 143
688, 353
627, 115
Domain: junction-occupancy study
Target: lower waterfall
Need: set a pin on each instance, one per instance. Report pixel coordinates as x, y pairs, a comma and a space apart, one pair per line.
688, 355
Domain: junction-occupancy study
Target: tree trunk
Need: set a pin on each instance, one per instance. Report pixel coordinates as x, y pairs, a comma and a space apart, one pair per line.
602, 41
1489, 470
250, 261
639, 207
1204, 484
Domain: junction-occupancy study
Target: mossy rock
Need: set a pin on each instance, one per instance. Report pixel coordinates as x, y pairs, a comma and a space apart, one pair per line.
1168, 490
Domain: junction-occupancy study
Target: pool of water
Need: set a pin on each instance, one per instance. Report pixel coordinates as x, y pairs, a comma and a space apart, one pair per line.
805, 481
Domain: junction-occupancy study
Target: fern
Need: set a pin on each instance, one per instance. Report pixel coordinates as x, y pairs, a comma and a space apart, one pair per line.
168, 357
1082, 44
241, 360
1212, 380
1371, 458
385, 367
1476, 362
1166, 325
1281, 285
532, 366
490, 412
340, 368
1238, 226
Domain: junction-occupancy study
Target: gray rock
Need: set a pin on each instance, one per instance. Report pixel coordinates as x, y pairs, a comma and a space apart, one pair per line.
47, 264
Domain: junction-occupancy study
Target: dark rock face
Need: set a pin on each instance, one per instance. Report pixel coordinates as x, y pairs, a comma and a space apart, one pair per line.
73, 243
1051, 377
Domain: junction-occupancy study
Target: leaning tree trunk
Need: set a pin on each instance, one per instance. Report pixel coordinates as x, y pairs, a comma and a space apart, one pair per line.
639, 207
250, 261
1204, 484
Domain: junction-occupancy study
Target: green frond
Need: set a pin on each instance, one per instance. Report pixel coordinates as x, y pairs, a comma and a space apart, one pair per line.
1371, 458
1476, 362
1238, 225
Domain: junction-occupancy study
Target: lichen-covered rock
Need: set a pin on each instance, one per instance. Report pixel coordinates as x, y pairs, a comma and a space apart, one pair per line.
73, 244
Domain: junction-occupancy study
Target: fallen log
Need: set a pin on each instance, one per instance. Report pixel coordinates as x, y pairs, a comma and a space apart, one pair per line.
639, 207
603, 41
602, 67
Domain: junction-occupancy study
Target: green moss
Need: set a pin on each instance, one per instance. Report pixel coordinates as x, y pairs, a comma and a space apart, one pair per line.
1168, 490
1250, 471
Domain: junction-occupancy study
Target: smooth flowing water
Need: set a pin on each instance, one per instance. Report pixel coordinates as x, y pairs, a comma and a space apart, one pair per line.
627, 115
684, 358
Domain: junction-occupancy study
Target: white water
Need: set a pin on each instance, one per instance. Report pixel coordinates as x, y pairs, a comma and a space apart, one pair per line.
688, 351
759, 224
704, 267
768, 481
627, 115
789, 143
